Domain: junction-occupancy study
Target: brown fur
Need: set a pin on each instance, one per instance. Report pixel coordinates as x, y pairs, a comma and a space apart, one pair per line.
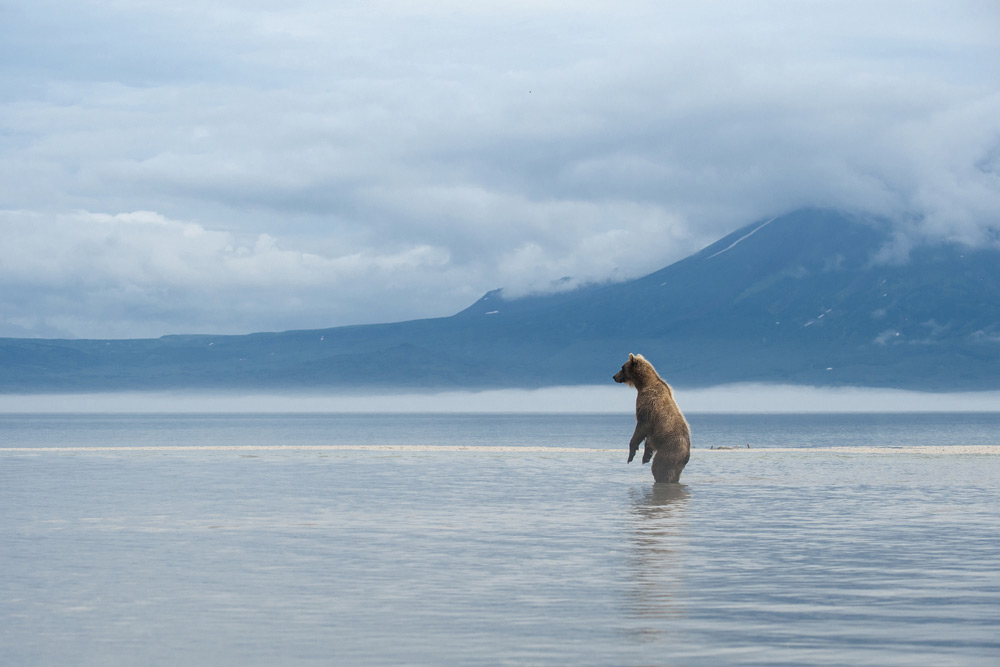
658, 421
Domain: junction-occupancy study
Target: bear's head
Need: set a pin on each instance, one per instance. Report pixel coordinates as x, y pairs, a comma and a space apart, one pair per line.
629, 372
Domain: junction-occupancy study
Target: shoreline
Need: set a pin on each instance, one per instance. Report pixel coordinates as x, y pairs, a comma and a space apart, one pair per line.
929, 450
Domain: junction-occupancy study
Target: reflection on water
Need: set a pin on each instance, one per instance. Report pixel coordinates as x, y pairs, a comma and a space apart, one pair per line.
656, 558
672, 497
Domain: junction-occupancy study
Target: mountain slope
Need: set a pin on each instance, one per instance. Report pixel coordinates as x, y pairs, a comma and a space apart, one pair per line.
800, 298
789, 298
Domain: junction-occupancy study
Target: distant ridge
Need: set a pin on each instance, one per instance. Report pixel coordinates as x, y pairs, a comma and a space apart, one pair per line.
799, 298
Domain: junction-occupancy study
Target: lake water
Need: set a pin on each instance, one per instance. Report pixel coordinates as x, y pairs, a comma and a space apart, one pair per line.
497, 539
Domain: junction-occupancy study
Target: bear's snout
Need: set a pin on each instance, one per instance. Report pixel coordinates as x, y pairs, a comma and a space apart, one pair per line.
619, 376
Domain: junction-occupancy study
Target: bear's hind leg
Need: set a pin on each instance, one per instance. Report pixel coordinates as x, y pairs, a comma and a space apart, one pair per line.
666, 469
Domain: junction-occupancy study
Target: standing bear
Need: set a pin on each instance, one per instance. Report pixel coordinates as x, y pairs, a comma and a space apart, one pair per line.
658, 421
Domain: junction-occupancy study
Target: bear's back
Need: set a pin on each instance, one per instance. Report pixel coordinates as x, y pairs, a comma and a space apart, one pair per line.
655, 404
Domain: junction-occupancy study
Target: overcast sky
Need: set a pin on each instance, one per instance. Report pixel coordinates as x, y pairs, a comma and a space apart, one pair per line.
237, 166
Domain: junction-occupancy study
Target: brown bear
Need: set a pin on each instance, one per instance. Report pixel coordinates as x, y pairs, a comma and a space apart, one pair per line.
658, 421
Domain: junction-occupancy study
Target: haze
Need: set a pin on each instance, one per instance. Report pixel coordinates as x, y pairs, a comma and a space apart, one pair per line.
746, 398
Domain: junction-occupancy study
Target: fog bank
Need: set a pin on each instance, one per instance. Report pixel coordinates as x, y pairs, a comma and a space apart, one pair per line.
738, 398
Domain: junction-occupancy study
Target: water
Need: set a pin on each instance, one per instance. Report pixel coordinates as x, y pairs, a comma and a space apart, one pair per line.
117, 549
596, 431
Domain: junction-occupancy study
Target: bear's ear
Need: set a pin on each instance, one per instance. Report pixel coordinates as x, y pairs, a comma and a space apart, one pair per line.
631, 356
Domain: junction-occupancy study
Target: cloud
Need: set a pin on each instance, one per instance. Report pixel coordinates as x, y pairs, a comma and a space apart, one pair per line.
140, 272
388, 160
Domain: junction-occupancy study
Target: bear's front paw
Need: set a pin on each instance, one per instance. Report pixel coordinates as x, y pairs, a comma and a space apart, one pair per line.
646, 455
631, 455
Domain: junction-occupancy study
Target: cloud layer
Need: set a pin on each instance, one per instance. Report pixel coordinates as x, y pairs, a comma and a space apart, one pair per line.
233, 167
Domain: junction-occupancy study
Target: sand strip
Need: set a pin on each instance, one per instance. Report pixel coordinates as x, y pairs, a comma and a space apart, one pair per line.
313, 448
930, 450
954, 450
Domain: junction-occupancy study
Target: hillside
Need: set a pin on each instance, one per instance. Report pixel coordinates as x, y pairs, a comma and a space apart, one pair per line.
801, 298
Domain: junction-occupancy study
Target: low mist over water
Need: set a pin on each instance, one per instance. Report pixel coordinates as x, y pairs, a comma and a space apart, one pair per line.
745, 398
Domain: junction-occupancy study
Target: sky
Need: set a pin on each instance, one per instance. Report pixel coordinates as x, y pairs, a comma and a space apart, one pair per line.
231, 167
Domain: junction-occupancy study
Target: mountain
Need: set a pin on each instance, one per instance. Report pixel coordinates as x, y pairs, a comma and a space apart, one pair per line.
801, 298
